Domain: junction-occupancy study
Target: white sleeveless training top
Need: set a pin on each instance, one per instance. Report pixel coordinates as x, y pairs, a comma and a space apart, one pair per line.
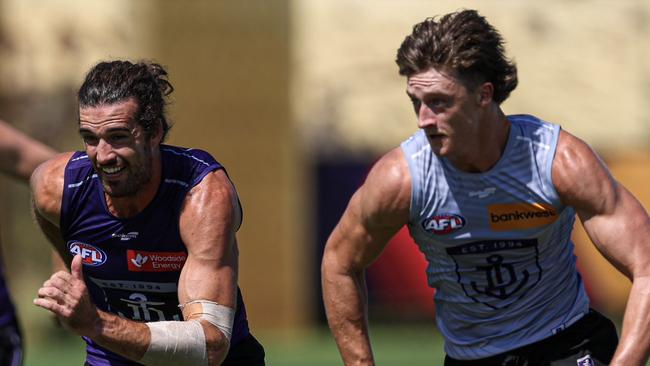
498, 244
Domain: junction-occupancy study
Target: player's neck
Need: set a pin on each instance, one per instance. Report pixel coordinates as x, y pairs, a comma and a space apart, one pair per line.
129, 206
488, 147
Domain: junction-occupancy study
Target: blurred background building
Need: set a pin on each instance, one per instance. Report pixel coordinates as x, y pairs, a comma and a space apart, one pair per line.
297, 99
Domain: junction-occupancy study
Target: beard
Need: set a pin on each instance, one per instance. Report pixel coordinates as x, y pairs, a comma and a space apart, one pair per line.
138, 175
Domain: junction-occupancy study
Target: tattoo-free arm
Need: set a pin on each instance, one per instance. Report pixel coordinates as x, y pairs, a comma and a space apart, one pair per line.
619, 227
208, 220
374, 214
208, 223
65, 293
19, 153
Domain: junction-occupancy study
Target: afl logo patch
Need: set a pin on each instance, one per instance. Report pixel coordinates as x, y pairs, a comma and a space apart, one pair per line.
90, 255
444, 224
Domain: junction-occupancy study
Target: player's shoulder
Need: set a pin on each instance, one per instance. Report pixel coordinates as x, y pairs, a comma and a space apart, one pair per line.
572, 153
216, 179
188, 164
576, 167
52, 168
215, 188
194, 155
389, 181
214, 194
47, 180
391, 167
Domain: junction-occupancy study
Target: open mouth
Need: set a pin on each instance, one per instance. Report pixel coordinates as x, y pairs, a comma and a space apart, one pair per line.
112, 171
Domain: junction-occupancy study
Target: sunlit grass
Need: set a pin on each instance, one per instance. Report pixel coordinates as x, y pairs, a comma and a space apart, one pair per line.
399, 345
392, 345
412, 345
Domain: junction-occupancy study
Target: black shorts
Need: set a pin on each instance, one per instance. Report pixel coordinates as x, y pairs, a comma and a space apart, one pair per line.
248, 352
591, 341
11, 345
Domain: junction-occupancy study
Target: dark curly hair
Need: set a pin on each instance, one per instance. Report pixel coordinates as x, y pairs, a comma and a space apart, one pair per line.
115, 81
463, 43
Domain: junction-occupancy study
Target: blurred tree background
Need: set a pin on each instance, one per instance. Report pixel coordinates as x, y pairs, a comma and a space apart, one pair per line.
297, 99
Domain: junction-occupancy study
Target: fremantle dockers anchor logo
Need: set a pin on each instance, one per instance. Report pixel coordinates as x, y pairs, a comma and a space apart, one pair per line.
496, 273
501, 278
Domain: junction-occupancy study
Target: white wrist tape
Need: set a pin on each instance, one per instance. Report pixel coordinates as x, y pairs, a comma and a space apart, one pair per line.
220, 316
175, 343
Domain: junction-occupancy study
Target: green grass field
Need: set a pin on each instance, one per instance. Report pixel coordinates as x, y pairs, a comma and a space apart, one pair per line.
393, 345
415, 345
412, 345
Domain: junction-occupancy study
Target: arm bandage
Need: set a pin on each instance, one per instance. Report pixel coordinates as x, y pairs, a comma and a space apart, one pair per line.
176, 343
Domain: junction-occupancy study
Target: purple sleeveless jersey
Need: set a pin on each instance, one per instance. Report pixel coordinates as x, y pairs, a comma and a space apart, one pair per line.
131, 266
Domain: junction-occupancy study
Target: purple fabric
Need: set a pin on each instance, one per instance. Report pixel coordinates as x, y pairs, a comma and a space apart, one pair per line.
7, 311
131, 266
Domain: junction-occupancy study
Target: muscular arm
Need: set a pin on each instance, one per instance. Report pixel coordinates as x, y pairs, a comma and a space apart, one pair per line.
65, 294
619, 227
374, 214
20, 154
47, 188
207, 224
